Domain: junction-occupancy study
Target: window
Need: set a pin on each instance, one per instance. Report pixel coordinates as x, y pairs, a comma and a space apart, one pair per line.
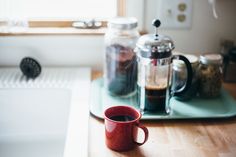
58, 13
57, 9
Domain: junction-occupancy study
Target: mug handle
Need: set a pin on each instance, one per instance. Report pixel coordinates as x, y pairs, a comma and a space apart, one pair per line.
145, 130
188, 83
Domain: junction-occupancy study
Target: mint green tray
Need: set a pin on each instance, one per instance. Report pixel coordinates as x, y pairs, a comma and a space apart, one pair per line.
222, 107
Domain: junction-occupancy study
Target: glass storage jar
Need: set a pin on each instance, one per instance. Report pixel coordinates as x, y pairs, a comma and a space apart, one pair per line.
120, 70
180, 77
210, 75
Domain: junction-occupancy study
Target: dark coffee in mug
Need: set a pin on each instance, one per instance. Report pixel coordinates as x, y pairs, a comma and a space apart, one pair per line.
121, 128
154, 98
122, 118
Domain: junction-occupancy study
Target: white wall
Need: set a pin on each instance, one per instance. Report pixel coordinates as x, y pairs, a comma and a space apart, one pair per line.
206, 31
53, 50
204, 36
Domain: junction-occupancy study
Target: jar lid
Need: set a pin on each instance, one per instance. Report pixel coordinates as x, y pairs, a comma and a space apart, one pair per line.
211, 59
178, 63
155, 45
123, 23
193, 59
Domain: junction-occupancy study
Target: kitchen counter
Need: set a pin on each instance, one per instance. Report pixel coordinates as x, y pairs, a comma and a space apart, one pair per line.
167, 138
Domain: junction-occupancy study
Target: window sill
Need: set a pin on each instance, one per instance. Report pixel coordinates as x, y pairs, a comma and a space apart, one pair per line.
55, 31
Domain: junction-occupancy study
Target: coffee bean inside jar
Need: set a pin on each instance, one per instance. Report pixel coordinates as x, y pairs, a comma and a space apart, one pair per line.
210, 75
120, 68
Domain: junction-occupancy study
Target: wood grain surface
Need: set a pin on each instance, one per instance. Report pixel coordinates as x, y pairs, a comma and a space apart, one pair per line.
174, 138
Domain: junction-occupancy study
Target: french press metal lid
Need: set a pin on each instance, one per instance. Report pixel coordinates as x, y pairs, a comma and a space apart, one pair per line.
155, 46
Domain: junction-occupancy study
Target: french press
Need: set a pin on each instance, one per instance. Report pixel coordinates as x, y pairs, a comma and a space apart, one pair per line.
155, 83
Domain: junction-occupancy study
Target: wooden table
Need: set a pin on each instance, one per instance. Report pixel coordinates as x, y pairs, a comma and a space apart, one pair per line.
174, 138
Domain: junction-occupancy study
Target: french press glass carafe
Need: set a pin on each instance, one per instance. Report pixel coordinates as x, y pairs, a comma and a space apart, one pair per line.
154, 57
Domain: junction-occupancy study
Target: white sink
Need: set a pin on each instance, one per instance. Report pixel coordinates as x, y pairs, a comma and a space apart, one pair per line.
47, 117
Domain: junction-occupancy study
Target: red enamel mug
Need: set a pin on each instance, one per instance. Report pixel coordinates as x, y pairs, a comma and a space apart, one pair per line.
121, 128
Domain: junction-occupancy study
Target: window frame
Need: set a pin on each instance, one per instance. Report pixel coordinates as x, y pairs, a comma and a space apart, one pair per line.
63, 27
121, 11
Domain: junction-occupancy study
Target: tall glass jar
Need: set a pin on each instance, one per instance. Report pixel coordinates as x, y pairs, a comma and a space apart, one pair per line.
120, 70
210, 75
180, 77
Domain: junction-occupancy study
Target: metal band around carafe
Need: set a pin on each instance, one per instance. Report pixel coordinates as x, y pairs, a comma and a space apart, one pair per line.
156, 62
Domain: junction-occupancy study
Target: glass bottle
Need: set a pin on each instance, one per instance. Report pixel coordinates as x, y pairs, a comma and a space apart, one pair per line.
120, 70
210, 75
180, 77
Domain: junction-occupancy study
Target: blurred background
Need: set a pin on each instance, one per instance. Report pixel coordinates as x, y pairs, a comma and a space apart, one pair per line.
44, 29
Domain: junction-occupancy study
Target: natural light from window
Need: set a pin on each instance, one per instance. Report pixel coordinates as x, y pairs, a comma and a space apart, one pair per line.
57, 9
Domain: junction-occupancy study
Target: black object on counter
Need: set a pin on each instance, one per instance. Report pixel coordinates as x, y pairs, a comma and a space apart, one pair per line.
30, 67
229, 66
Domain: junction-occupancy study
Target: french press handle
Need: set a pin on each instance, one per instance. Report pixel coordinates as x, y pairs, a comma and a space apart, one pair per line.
188, 83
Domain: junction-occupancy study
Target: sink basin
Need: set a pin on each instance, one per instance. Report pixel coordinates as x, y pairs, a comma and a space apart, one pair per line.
33, 121
43, 120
